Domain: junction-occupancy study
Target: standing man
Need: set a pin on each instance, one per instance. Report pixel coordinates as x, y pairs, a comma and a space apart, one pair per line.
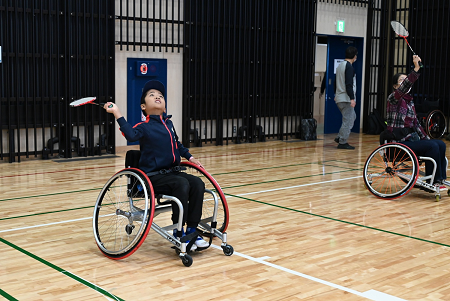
345, 96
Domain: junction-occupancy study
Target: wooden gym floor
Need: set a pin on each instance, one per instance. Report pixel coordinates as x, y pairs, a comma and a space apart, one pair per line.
301, 222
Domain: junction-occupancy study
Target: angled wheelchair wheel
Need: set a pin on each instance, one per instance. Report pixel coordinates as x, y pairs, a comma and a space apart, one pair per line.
208, 203
123, 213
391, 171
435, 124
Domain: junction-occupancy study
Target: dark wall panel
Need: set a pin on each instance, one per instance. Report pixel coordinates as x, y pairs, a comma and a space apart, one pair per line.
388, 54
248, 66
429, 37
55, 51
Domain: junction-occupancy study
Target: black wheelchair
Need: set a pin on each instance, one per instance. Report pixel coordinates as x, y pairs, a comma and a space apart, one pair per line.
431, 118
393, 169
126, 209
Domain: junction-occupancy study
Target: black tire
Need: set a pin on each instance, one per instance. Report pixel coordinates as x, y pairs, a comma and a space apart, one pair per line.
435, 124
228, 250
187, 260
208, 204
391, 171
128, 193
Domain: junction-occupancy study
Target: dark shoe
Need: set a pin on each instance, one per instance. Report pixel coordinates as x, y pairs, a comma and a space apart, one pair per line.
345, 146
336, 139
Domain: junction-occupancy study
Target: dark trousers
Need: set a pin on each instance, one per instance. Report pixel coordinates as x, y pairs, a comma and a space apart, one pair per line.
434, 149
188, 189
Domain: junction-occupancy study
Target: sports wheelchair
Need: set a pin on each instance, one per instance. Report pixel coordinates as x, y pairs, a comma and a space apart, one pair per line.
431, 118
393, 169
126, 208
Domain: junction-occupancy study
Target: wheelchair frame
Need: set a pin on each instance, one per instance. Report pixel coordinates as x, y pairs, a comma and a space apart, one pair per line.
393, 169
432, 118
435, 124
125, 209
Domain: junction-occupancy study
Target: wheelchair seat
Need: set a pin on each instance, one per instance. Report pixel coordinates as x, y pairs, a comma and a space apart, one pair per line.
126, 207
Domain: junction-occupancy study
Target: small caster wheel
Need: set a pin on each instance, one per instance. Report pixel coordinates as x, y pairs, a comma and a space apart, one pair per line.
187, 260
438, 197
228, 250
129, 228
448, 192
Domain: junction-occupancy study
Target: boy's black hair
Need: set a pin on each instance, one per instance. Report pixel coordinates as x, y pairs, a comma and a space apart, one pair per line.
350, 52
152, 84
143, 101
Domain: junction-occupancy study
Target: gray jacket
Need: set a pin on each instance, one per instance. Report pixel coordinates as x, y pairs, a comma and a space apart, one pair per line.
345, 82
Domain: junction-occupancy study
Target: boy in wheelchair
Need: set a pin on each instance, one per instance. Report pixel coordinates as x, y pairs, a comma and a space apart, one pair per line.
404, 127
161, 155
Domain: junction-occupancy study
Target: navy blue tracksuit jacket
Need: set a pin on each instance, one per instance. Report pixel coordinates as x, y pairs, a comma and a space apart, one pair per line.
160, 148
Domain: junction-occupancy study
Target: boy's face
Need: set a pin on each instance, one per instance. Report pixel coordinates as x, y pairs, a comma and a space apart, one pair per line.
154, 103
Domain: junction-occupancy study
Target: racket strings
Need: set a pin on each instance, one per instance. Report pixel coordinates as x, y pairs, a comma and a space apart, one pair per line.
399, 29
83, 101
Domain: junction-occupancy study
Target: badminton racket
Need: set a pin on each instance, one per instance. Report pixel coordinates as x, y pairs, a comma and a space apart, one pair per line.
87, 100
401, 31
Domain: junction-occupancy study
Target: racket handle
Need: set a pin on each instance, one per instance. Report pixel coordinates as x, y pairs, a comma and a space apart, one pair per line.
420, 65
102, 104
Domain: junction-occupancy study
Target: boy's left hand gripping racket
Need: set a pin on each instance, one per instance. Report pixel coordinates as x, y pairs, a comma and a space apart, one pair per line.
87, 100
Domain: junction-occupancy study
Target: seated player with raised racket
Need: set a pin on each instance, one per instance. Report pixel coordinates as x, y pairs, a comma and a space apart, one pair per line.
404, 127
160, 155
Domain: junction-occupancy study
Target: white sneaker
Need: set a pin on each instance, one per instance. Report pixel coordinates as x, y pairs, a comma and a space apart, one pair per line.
201, 243
193, 247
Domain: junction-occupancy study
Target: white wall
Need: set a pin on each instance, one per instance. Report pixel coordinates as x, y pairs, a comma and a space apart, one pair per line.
355, 26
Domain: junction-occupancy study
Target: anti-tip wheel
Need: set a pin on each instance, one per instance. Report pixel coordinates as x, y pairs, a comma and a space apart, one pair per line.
187, 260
228, 250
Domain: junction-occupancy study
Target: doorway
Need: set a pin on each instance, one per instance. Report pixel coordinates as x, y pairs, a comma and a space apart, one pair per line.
336, 46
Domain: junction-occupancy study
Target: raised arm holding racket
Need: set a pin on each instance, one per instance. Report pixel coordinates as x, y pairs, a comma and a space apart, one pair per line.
87, 100
401, 31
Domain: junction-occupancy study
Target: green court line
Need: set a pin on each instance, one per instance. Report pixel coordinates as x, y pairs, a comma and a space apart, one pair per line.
69, 274
338, 220
288, 179
94, 189
48, 212
273, 167
86, 207
357, 163
49, 194
7, 296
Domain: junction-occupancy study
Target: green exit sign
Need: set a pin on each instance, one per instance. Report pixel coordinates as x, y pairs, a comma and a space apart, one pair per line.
340, 26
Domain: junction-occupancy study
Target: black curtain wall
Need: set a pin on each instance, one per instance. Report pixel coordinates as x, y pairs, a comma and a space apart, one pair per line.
388, 54
53, 52
248, 69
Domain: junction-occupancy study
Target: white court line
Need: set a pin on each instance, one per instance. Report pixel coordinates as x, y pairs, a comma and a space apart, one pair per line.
256, 192
50, 224
370, 294
296, 186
